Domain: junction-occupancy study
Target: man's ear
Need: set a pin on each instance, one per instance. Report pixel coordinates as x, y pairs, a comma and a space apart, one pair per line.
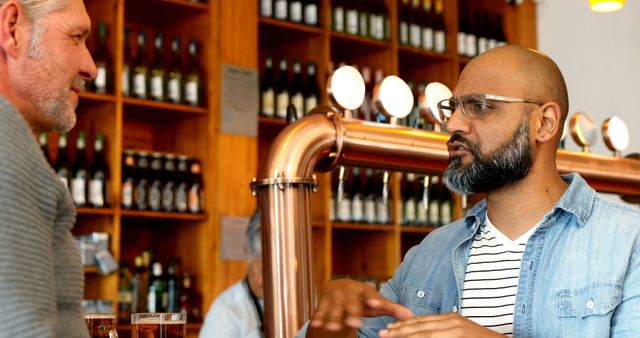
549, 122
10, 14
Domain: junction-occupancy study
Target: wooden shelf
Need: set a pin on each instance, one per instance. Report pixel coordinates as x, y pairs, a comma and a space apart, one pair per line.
93, 97
291, 27
163, 215
363, 227
416, 230
90, 270
421, 56
147, 110
128, 101
94, 211
355, 41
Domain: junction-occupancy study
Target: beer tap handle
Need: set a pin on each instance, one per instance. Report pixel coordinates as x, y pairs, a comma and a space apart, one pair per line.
385, 187
341, 179
425, 192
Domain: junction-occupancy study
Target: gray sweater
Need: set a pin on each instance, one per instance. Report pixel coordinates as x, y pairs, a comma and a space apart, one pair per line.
41, 277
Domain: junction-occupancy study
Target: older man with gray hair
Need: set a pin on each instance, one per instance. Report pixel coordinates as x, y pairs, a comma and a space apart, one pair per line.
237, 312
44, 63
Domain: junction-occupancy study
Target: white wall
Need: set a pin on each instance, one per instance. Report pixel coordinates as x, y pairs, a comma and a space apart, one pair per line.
599, 55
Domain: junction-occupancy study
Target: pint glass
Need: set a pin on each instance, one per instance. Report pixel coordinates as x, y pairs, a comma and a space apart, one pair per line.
101, 325
159, 325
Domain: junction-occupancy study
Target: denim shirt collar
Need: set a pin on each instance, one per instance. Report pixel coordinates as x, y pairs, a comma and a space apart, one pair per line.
577, 200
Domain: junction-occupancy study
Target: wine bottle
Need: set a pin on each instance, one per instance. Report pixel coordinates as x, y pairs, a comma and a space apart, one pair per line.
127, 66
351, 17
128, 179
174, 76
483, 38
281, 9
403, 15
363, 19
80, 172
102, 81
463, 30
182, 188
296, 95
266, 8
196, 189
156, 182
295, 11
99, 175
471, 49
415, 32
169, 187
63, 165
140, 68
142, 181
312, 91
311, 9
157, 73
427, 26
338, 15
193, 82
282, 90
440, 29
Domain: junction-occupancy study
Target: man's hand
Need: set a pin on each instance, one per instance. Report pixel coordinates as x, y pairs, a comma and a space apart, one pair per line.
450, 325
344, 302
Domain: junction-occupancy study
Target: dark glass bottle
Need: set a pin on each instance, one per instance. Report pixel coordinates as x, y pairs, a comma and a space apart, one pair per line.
140, 285
125, 294
157, 288
312, 91
295, 11
156, 182
141, 69
281, 9
439, 29
189, 299
296, 90
127, 66
282, 90
404, 9
196, 189
174, 75
267, 90
173, 286
408, 199
182, 189
311, 12
157, 74
193, 81
169, 188
102, 83
337, 15
99, 176
63, 165
142, 181
266, 8
128, 179
80, 174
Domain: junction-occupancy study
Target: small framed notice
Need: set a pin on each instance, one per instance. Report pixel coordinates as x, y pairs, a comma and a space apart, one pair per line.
239, 100
233, 237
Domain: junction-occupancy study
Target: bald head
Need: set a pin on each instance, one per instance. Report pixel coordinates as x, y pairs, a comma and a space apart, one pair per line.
524, 72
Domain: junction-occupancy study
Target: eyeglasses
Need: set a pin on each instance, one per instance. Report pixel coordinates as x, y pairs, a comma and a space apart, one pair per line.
475, 105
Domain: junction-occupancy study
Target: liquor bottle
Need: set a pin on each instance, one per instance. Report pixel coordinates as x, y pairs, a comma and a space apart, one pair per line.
440, 29
63, 165
403, 29
471, 48
357, 197
140, 284
102, 83
142, 182
296, 95
415, 31
267, 102
363, 19
196, 190
281, 8
408, 199
80, 172
311, 10
173, 286
312, 91
295, 11
127, 66
482, 33
99, 176
463, 30
427, 26
182, 188
174, 75
157, 287
266, 8
128, 179
434, 202
44, 146
189, 299
445, 204
282, 90
140, 68
157, 73
169, 188
156, 182
337, 16
125, 293
192, 81
351, 17
369, 198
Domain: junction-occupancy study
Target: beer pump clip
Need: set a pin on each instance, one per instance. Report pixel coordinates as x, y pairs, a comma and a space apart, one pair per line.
394, 99
346, 89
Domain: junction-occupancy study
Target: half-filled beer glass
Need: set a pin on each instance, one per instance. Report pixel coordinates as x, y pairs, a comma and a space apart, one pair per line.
159, 325
101, 325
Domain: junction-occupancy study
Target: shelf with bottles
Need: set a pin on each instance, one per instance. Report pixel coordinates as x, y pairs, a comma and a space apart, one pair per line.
164, 11
480, 28
297, 12
360, 19
95, 98
272, 28
362, 226
160, 215
421, 26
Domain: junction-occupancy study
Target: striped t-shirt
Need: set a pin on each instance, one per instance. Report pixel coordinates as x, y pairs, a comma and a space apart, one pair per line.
491, 280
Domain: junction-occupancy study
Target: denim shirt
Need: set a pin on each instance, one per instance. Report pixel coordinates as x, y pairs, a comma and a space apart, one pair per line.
580, 272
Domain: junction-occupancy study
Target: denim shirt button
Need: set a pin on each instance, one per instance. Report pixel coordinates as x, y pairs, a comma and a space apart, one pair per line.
420, 294
590, 304
454, 309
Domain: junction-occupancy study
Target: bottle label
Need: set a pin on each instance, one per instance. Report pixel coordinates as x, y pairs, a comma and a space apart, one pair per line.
168, 197
344, 210
370, 210
462, 43
281, 9
266, 8
421, 215
338, 19
357, 209
155, 196
96, 196
373, 26
352, 21
434, 213
282, 101
404, 33
191, 92
310, 103
173, 90
181, 197
382, 211
125, 80
157, 88
410, 211
445, 212
311, 14
127, 194
492, 43
195, 199
101, 79
380, 27
140, 85
267, 103
151, 301
440, 42
427, 38
471, 47
295, 11
78, 191
364, 24
298, 101
482, 44
414, 35
140, 195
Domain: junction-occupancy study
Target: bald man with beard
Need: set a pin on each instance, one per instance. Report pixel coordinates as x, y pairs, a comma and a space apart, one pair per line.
542, 256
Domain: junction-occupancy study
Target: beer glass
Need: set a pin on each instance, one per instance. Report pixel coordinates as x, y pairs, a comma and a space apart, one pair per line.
159, 325
101, 325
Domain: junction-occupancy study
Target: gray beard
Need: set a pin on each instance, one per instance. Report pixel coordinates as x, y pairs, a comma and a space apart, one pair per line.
507, 164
